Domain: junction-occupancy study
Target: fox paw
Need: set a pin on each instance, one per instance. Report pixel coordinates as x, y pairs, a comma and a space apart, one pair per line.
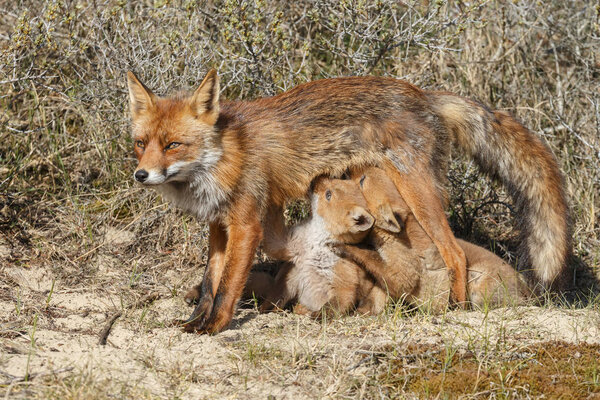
199, 317
217, 322
192, 296
338, 249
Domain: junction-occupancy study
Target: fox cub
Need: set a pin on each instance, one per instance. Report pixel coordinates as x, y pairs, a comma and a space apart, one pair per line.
362, 244
404, 261
312, 274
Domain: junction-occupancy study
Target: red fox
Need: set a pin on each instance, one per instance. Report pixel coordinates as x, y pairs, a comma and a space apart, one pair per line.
228, 162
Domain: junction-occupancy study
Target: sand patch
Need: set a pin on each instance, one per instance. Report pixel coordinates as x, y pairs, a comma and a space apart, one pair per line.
118, 237
278, 354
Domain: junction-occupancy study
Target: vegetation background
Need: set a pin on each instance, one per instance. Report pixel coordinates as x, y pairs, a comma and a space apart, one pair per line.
66, 158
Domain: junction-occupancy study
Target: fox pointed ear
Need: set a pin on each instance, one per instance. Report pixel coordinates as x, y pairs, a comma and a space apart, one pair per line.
141, 99
205, 99
360, 219
387, 220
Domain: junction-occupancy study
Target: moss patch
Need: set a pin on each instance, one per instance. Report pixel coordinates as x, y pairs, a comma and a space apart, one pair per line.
558, 369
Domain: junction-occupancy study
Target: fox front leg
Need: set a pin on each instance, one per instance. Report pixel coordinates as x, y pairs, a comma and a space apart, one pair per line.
368, 259
276, 234
203, 295
244, 234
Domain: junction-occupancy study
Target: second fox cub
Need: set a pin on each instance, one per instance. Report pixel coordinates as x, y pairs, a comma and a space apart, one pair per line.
399, 244
403, 262
313, 275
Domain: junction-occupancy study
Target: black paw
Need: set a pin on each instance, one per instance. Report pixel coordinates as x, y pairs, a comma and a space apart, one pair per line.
201, 313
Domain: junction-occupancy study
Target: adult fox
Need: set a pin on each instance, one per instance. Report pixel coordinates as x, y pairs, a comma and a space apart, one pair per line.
228, 162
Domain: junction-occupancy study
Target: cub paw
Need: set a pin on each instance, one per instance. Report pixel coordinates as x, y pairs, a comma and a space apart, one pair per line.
192, 296
338, 249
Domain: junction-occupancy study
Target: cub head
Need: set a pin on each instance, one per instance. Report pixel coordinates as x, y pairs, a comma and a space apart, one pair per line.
173, 136
383, 199
343, 208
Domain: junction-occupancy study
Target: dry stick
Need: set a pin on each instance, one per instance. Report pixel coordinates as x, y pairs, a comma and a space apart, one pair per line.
29, 377
143, 301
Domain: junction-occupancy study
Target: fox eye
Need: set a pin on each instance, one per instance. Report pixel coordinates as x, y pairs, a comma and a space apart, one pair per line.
139, 144
328, 194
172, 145
362, 180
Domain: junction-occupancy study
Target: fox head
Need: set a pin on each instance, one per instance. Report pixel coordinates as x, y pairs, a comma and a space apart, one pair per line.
383, 199
176, 135
343, 209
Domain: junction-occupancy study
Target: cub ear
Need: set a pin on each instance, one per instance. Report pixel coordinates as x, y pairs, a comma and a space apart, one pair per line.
387, 219
360, 220
141, 99
205, 99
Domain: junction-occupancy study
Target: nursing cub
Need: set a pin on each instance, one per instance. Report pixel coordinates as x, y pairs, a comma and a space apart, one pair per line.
312, 275
395, 251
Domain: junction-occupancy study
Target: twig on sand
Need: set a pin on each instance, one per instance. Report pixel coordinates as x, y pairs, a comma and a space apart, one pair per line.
361, 362
28, 377
140, 303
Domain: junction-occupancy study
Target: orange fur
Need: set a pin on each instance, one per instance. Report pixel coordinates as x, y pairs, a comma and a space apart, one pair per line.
312, 275
396, 258
228, 162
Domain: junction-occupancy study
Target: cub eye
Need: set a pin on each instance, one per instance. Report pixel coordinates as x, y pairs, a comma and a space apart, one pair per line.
328, 194
362, 180
172, 145
139, 144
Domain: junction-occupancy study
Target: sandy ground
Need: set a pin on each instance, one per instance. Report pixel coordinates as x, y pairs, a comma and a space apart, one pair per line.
279, 354
50, 328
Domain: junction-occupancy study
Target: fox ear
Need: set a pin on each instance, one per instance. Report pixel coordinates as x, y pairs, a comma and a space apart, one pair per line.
141, 99
387, 220
360, 219
206, 98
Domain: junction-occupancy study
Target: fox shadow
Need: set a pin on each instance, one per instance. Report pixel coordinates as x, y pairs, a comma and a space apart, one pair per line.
241, 319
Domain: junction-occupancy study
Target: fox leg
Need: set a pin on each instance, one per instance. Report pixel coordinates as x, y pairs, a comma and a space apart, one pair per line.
368, 259
397, 279
259, 285
244, 235
205, 293
303, 310
279, 294
275, 234
216, 249
372, 302
271, 292
419, 192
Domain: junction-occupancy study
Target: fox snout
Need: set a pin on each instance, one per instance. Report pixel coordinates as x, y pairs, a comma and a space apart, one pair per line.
158, 175
150, 177
140, 175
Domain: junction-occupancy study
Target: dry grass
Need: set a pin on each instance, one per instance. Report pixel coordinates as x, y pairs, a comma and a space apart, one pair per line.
72, 223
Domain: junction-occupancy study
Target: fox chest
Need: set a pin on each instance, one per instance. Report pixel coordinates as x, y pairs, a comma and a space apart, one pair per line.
310, 253
202, 197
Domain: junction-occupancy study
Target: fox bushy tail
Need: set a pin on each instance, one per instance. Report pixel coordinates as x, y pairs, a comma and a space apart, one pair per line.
507, 150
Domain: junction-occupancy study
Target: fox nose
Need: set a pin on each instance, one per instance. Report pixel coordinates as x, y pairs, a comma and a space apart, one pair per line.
141, 175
